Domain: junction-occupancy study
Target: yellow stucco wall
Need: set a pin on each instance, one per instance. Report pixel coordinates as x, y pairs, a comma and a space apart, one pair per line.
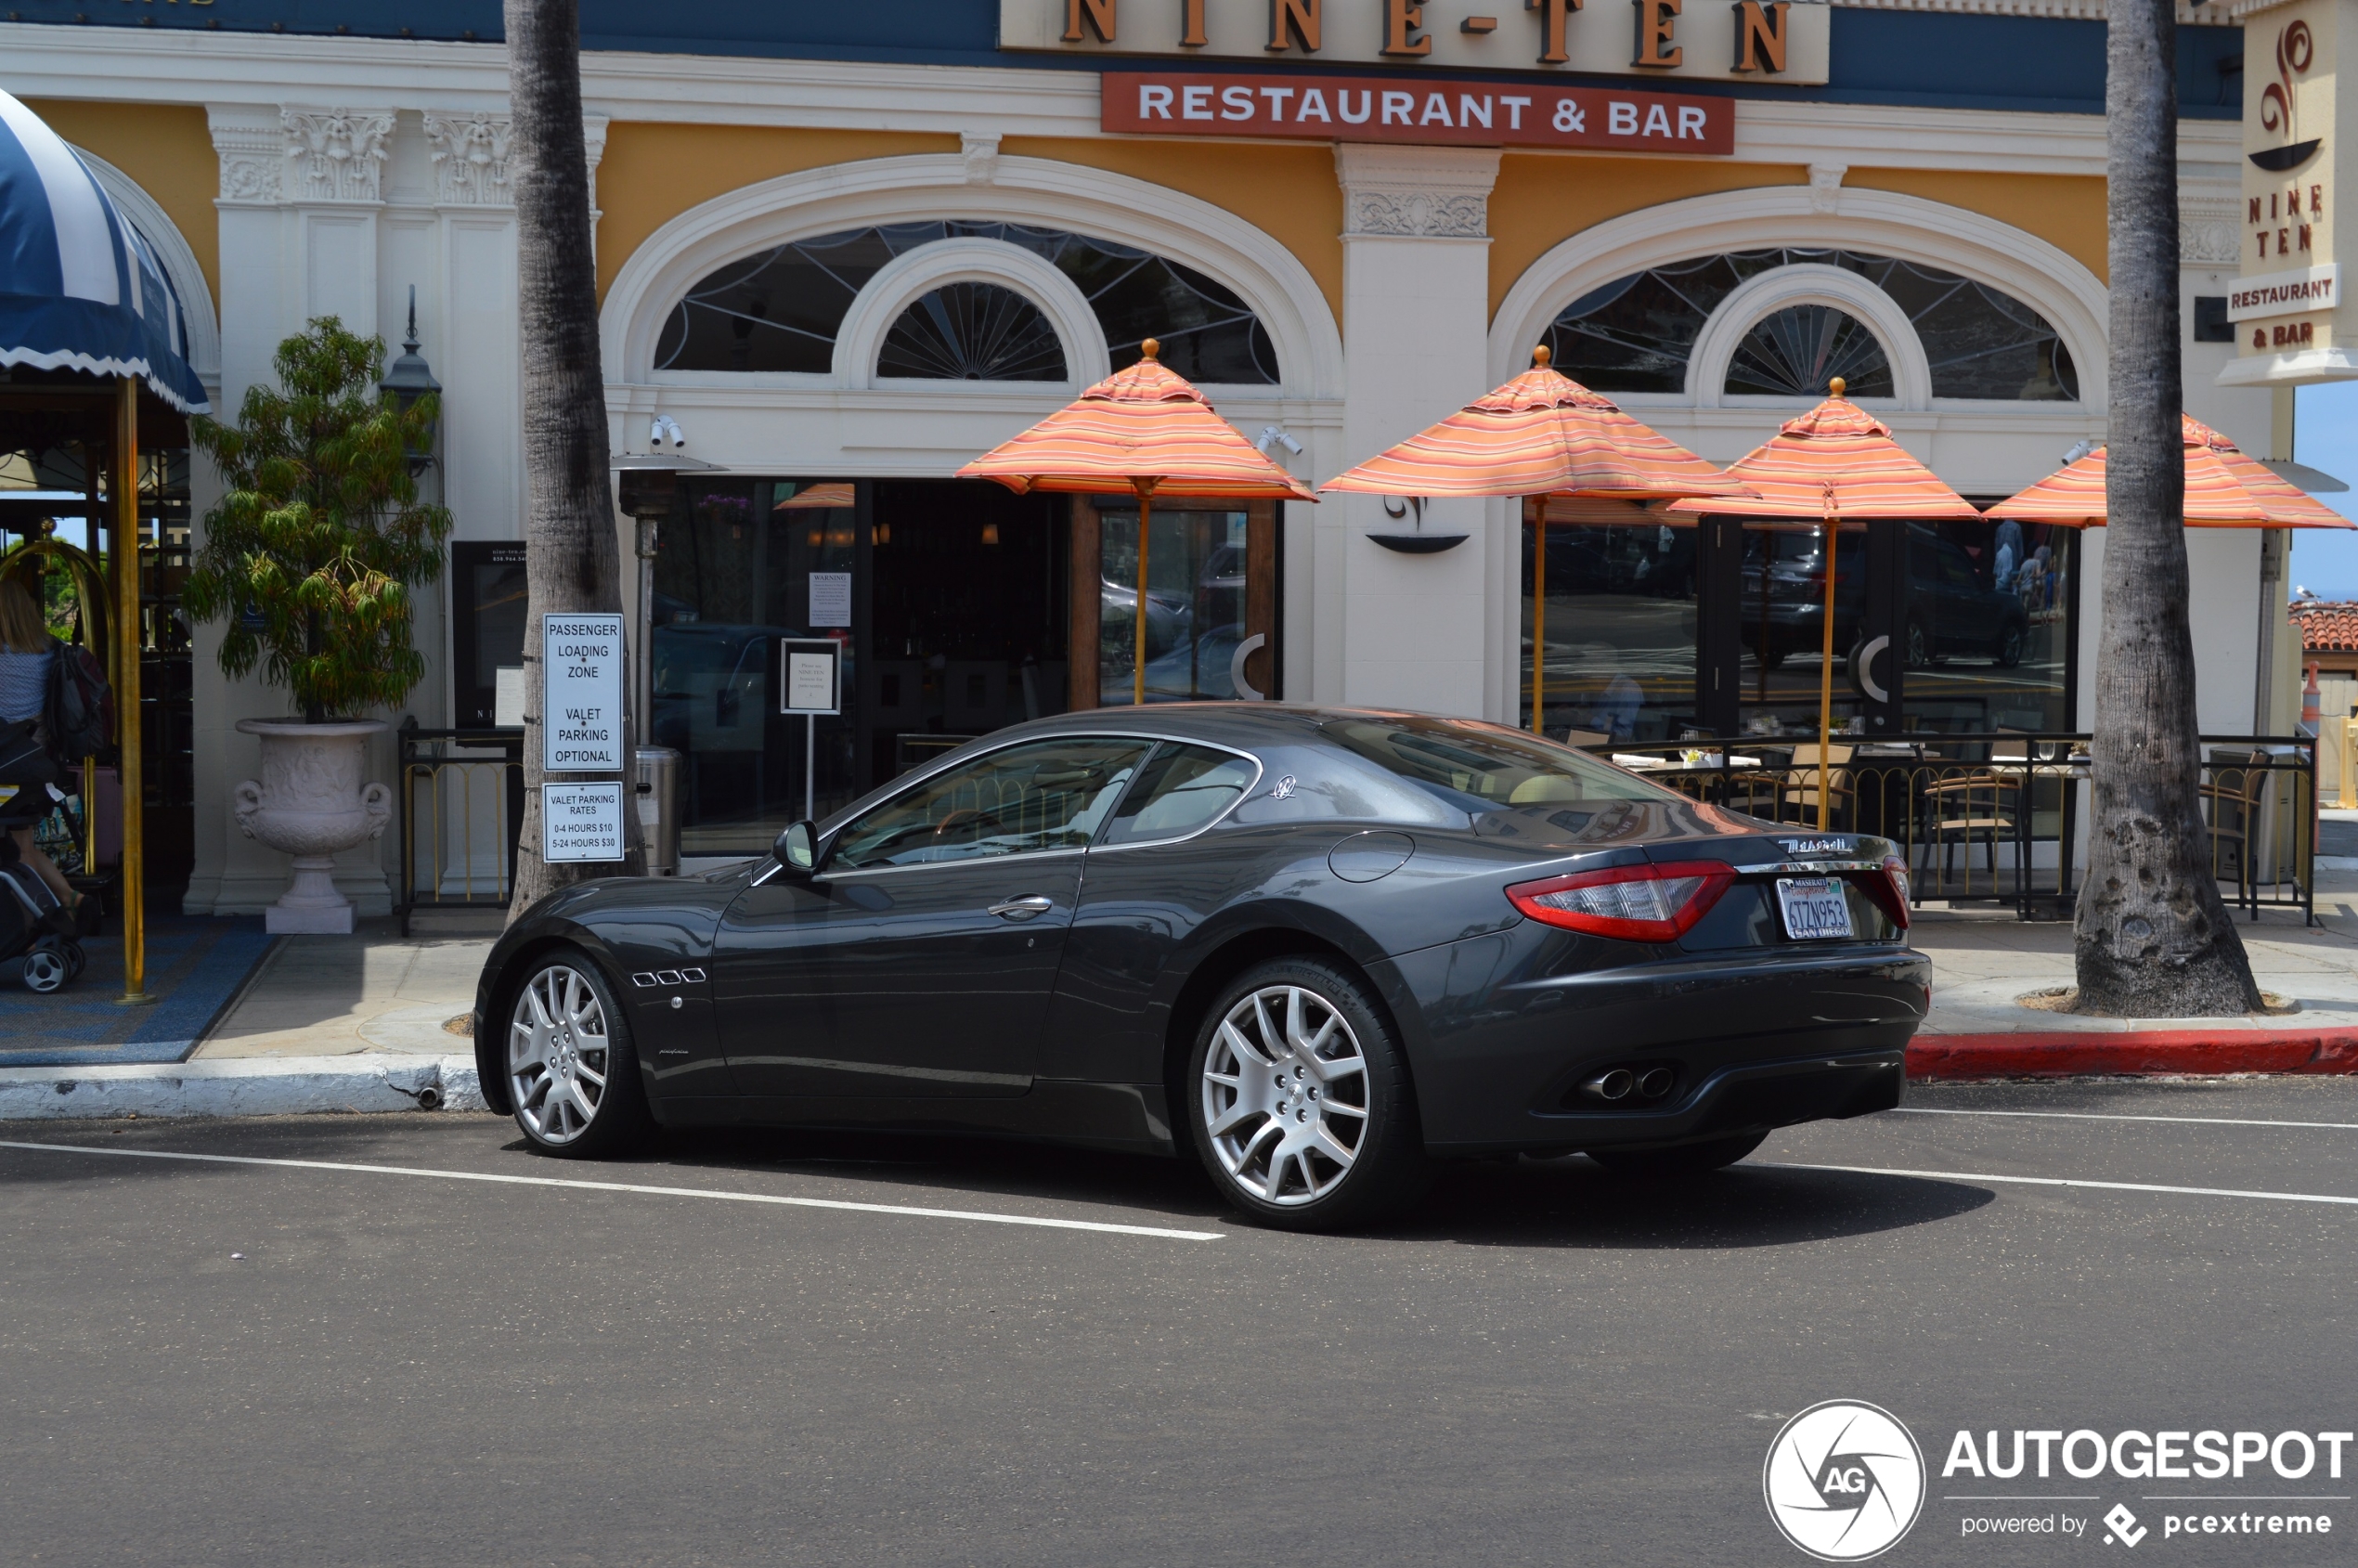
1542, 199
166, 149
1286, 190
2067, 211
653, 173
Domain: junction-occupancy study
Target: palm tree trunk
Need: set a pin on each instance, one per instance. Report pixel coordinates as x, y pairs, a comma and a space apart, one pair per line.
572, 562
2154, 939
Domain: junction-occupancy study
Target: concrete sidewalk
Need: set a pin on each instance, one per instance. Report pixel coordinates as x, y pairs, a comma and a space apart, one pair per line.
374, 991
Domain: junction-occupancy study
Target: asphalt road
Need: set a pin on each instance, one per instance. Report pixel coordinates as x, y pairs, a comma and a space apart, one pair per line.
1544, 1364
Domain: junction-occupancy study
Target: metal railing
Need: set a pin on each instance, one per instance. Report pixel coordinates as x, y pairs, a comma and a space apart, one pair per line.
2016, 803
461, 808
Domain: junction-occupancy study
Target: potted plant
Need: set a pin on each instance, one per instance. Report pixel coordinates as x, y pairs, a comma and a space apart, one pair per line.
308, 557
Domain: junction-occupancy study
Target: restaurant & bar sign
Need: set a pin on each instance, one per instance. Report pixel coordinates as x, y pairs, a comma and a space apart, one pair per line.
1431, 113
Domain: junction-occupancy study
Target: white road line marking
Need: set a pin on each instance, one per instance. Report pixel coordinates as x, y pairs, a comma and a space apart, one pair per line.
2101, 1116
633, 1186
2060, 1181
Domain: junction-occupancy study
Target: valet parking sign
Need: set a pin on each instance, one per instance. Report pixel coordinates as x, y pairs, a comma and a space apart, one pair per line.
581, 667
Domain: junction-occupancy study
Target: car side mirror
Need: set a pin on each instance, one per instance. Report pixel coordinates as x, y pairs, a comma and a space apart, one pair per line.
798, 848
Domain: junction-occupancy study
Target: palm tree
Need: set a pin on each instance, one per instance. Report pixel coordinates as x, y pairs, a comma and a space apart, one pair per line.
572, 560
2154, 939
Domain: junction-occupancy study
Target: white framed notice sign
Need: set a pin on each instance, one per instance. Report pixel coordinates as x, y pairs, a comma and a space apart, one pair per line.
810, 675
581, 667
581, 822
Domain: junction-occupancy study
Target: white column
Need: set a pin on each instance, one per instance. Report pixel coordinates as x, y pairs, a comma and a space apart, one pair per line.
1415, 317
299, 203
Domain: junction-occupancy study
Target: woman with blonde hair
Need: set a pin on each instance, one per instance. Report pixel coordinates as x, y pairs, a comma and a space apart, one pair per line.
26, 653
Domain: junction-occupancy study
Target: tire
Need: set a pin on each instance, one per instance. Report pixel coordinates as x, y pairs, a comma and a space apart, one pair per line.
573, 1072
1353, 1152
1686, 1160
1918, 647
47, 966
2009, 649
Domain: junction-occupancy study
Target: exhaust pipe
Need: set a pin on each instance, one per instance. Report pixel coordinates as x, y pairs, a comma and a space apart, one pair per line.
1656, 1083
1612, 1085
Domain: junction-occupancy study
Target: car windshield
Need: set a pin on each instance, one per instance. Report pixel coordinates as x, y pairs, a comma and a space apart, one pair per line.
1482, 767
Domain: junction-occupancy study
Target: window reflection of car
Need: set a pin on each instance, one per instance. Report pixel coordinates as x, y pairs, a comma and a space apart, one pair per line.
1622, 559
711, 684
1952, 611
1168, 614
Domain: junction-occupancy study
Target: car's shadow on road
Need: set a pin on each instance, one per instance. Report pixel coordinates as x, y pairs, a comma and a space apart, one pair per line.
1573, 1202
1569, 1203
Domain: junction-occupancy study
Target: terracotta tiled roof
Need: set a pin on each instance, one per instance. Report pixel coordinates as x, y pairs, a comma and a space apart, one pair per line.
2326, 626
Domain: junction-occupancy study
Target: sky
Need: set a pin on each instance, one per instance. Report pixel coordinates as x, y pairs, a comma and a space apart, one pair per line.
2325, 437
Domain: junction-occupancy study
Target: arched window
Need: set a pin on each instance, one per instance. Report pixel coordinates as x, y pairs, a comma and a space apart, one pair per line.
1794, 352
973, 333
781, 310
1636, 333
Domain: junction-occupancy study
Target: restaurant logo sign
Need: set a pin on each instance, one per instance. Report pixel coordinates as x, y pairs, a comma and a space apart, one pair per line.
2287, 308
1435, 111
1696, 40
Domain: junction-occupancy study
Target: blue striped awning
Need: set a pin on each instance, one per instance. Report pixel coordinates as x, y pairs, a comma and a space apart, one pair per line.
80, 287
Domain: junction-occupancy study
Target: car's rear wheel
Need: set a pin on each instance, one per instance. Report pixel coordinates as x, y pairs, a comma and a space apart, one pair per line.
1685, 1159
1300, 1102
572, 1072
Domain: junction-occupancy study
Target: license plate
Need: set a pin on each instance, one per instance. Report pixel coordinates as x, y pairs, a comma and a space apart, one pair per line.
1816, 907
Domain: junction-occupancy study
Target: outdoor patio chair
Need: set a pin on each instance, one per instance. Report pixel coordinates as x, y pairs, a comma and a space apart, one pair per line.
1798, 793
1958, 810
2231, 813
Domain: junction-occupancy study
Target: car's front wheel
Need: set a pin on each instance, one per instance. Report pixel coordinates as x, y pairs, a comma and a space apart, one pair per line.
1300, 1102
572, 1072
1683, 1159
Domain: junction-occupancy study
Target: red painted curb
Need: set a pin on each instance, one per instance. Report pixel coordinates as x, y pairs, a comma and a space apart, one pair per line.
2072, 1054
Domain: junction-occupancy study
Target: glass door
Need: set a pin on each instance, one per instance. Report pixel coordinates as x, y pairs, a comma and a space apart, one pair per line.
1212, 596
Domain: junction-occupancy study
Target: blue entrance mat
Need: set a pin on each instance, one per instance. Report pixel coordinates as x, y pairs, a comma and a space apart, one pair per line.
195, 964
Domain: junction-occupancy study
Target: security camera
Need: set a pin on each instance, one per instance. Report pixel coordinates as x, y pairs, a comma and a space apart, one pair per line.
1272, 434
664, 425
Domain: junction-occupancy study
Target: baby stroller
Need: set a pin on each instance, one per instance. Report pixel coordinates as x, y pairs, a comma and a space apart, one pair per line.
38, 941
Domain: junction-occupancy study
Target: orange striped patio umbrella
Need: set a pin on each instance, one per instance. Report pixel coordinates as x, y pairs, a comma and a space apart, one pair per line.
1145, 429
2225, 488
1835, 461
1543, 434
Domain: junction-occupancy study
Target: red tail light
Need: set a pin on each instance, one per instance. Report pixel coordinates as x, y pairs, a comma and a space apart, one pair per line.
1636, 903
1890, 890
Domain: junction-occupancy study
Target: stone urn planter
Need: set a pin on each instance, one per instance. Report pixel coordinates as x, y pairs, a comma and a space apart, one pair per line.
311, 803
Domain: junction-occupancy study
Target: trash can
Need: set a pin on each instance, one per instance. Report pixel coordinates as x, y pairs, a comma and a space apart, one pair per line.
658, 793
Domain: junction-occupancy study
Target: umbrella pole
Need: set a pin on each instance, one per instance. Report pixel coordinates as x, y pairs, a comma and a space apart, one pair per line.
126, 584
1139, 669
1826, 680
1539, 623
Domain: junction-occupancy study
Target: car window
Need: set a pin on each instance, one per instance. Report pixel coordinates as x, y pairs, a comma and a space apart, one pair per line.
1958, 565
1049, 795
1477, 766
1181, 790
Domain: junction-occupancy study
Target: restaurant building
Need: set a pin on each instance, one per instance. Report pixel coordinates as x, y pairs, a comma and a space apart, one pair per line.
842, 250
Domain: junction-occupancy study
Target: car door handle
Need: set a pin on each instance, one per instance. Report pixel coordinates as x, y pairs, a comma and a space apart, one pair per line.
1026, 908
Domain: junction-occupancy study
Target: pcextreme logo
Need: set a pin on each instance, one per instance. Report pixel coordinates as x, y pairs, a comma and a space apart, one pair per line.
1844, 1481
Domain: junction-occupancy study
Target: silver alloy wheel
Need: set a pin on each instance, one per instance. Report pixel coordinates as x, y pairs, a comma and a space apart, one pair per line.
1285, 1095
557, 1054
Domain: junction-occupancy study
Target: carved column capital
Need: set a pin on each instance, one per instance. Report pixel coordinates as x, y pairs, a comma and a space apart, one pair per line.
336, 154
1416, 192
470, 153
